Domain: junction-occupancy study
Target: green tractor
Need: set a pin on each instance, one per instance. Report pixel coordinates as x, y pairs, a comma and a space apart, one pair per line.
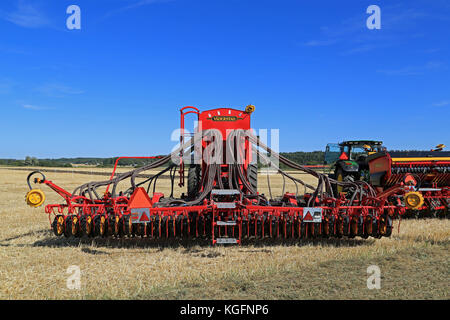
348, 160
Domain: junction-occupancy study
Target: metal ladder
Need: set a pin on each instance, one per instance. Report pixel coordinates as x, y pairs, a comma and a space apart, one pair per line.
233, 196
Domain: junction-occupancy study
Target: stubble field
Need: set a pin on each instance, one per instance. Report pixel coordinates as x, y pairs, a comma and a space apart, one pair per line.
414, 263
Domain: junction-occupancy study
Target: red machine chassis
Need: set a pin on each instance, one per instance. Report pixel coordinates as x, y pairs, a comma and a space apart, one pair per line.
224, 205
370, 218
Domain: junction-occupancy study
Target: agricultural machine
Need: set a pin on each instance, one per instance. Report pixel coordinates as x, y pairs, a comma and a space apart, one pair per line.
221, 202
426, 172
429, 173
348, 160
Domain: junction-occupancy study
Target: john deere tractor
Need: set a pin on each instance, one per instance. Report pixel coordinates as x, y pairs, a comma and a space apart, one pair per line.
348, 160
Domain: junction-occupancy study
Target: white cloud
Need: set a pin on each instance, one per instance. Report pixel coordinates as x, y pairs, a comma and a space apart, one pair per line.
26, 15
33, 107
442, 103
413, 70
319, 43
13, 50
58, 90
134, 5
141, 3
352, 33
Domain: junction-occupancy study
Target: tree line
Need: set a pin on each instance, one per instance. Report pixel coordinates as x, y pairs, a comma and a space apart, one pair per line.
71, 162
300, 157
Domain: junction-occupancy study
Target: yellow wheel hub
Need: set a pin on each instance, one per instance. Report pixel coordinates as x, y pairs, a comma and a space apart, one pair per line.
35, 198
250, 108
414, 200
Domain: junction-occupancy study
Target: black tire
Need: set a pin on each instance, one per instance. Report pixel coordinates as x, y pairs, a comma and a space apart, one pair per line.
127, 226
86, 226
76, 227
346, 223
252, 175
68, 227
367, 227
194, 180
72, 228
140, 229
58, 225
388, 222
99, 229
339, 176
117, 224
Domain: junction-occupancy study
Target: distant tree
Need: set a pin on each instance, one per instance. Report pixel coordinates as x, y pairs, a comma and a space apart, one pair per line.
28, 161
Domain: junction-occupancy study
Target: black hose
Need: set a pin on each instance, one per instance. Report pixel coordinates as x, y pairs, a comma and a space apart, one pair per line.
33, 173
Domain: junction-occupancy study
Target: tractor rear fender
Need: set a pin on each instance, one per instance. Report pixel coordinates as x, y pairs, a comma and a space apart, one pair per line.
376, 179
379, 167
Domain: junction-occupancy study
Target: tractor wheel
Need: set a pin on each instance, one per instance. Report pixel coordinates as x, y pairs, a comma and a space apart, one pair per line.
339, 176
194, 180
252, 175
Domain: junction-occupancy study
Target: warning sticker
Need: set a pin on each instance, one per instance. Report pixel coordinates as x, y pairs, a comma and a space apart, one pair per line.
312, 214
140, 215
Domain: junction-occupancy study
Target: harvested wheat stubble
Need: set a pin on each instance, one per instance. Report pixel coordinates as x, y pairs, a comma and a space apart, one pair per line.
33, 262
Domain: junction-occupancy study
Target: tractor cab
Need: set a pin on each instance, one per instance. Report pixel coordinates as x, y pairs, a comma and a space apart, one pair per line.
348, 159
351, 150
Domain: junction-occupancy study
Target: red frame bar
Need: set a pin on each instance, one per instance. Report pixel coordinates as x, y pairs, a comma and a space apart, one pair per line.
183, 114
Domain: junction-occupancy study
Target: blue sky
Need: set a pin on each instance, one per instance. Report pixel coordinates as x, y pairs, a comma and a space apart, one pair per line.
312, 69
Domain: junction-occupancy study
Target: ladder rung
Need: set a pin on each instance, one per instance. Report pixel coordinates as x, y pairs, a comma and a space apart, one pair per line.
225, 205
226, 223
226, 241
429, 189
225, 192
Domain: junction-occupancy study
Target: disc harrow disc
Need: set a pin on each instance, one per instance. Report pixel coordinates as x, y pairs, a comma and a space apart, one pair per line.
58, 225
86, 226
68, 227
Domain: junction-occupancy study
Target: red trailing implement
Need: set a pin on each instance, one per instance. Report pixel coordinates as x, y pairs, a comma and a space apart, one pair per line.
428, 173
222, 202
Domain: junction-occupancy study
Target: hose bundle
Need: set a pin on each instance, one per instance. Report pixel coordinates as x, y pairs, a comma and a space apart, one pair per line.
212, 177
